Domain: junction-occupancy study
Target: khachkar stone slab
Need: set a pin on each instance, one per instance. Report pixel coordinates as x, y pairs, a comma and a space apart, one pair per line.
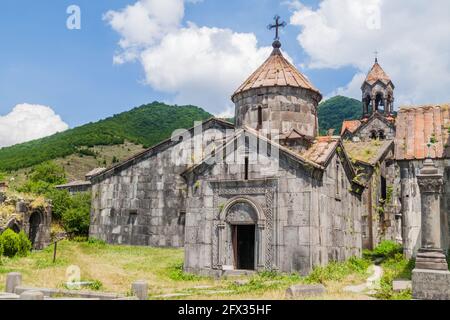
431, 284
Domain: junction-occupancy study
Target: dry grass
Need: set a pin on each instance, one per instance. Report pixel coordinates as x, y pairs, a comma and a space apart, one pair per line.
116, 267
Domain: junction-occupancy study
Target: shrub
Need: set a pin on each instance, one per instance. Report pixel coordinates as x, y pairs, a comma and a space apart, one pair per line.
76, 221
1, 249
25, 244
14, 244
95, 285
385, 250
10, 241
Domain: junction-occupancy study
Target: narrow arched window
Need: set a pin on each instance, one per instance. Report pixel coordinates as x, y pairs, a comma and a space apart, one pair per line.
260, 118
373, 135
381, 135
379, 102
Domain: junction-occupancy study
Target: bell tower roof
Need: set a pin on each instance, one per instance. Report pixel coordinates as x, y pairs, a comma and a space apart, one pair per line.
276, 71
377, 74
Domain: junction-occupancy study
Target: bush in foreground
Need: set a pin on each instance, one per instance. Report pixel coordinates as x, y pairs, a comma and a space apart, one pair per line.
14, 244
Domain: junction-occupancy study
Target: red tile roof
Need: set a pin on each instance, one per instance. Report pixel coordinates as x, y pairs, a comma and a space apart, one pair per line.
377, 73
416, 126
321, 150
276, 71
350, 125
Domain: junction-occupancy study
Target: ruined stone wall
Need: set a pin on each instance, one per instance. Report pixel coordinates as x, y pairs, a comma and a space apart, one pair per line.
411, 207
283, 109
144, 202
302, 223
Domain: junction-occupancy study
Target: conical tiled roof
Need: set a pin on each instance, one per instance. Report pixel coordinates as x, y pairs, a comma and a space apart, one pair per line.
377, 73
276, 71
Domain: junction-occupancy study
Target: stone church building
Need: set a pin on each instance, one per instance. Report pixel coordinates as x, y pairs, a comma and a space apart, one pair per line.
269, 193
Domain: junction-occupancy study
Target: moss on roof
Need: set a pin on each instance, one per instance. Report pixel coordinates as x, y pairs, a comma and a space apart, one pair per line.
367, 152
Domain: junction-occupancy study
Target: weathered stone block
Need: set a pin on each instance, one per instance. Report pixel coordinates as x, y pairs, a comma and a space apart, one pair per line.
401, 285
140, 289
431, 284
13, 280
32, 295
298, 291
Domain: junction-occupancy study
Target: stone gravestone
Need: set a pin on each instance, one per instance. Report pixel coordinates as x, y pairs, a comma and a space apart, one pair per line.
13, 280
140, 289
430, 278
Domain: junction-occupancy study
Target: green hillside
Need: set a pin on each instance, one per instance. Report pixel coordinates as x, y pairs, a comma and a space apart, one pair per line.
337, 109
145, 125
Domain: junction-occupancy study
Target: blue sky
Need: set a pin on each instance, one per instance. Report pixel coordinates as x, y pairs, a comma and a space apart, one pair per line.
132, 52
42, 62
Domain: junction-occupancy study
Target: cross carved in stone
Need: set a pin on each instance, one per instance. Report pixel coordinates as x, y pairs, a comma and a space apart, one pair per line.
276, 26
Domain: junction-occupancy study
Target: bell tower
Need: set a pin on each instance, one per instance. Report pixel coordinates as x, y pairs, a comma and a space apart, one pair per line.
377, 92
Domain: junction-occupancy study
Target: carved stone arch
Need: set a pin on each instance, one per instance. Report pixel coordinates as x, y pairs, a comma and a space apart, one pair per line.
243, 199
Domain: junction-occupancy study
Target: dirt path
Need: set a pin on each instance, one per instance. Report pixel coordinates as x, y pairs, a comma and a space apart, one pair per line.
370, 286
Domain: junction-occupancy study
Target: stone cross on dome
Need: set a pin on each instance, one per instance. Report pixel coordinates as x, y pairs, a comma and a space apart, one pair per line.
276, 26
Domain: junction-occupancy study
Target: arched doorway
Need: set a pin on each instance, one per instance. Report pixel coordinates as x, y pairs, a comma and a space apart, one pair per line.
242, 219
35, 221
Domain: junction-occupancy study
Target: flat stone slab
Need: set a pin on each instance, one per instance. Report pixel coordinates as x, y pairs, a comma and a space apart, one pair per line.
305, 290
8, 296
55, 293
401, 285
173, 295
241, 282
203, 287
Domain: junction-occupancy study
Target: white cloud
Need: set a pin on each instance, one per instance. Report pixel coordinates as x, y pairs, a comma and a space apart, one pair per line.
409, 34
198, 65
28, 122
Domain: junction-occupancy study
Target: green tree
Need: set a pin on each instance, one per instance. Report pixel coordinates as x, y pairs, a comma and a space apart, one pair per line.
76, 219
43, 178
61, 201
48, 172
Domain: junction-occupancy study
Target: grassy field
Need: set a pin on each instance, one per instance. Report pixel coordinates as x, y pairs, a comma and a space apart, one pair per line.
114, 268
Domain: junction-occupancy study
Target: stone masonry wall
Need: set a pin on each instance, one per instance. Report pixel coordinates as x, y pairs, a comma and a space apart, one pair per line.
144, 203
283, 109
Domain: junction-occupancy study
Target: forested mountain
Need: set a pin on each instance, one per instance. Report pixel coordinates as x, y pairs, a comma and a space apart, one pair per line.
337, 109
